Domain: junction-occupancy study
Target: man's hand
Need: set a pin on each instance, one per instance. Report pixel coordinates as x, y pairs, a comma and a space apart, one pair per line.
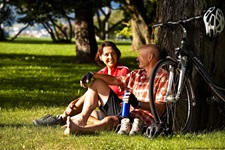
86, 78
133, 101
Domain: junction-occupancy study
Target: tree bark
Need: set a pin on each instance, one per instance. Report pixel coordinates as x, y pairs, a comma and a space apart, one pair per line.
210, 52
86, 45
2, 35
140, 30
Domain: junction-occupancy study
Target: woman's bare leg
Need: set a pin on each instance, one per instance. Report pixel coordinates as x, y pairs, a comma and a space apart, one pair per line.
108, 123
97, 90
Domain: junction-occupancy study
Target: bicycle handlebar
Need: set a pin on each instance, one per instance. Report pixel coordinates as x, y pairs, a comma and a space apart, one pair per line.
176, 22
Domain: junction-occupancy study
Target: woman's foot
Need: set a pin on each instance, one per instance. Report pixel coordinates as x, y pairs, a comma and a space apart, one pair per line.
78, 120
71, 127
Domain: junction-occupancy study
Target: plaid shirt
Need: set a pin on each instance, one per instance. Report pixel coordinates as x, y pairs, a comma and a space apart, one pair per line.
138, 82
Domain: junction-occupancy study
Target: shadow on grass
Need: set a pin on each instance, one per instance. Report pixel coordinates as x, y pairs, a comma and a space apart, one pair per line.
49, 41
24, 40
20, 59
34, 80
38, 59
15, 125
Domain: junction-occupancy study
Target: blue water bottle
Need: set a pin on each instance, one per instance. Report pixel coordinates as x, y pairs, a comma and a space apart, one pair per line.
125, 104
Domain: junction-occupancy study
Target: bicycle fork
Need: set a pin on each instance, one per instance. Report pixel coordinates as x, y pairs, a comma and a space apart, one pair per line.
170, 95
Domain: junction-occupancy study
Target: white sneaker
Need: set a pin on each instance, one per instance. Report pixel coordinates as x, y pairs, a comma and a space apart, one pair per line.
124, 126
137, 127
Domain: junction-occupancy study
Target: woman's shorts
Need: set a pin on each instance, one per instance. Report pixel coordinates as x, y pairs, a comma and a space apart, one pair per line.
112, 107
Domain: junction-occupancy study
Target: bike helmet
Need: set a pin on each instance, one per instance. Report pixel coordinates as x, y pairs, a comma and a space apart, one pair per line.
214, 21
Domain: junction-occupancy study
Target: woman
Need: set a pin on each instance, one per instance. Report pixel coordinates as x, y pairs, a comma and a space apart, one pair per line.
107, 54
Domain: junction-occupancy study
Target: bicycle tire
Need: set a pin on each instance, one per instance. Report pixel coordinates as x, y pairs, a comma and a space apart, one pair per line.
178, 114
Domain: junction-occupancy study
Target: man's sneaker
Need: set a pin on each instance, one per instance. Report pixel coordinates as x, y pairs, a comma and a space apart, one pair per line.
49, 120
137, 127
124, 126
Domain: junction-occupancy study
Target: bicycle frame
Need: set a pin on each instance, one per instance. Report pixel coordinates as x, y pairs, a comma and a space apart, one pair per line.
183, 54
204, 73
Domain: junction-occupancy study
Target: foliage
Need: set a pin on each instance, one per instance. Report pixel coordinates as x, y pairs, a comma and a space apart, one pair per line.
7, 17
38, 77
114, 22
125, 32
46, 13
7, 14
142, 14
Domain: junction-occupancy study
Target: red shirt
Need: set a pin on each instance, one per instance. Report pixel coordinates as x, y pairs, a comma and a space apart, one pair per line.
118, 70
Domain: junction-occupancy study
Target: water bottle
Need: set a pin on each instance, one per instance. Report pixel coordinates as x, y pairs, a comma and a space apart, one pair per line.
125, 104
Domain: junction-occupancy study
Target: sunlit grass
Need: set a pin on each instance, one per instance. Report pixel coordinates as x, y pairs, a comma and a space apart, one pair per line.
38, 77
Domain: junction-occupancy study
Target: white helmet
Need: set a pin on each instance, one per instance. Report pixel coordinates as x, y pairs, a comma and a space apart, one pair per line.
214, 21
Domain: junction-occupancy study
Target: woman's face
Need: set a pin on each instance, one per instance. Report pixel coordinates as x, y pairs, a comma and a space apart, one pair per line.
109, 56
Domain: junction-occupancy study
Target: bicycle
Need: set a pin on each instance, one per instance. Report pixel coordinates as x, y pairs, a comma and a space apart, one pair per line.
180, 97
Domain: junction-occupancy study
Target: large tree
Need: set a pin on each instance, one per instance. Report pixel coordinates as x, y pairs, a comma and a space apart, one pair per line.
210, 51
86, 45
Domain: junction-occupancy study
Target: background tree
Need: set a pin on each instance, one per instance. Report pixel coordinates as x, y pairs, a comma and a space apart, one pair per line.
141, 14
210, 51
46, 13
101, 30
7, 17
108, 20
86, 45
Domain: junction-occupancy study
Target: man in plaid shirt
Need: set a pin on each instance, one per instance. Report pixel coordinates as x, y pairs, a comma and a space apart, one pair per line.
136, 81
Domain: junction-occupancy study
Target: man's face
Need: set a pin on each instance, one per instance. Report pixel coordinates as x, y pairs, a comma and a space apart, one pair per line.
143, 59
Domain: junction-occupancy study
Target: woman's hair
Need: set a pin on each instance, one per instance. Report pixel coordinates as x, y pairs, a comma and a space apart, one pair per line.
100, 51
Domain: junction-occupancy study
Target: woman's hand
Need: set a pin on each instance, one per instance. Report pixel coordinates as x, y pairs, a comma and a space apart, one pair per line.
86, 78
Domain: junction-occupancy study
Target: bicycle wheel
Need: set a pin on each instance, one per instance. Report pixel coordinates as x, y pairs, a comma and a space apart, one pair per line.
178, 113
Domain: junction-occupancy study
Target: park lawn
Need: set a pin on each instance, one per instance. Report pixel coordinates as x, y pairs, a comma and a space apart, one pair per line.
38, 77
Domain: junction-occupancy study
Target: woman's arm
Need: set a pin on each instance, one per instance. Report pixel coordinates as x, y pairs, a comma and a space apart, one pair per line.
110, 80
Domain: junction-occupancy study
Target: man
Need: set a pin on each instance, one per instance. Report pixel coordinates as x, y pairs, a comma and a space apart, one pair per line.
136, 81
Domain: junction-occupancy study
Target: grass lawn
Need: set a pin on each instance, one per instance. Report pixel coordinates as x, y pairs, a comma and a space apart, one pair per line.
38, 77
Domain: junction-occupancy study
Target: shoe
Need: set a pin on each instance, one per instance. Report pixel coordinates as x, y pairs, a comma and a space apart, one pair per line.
49, 120
137, 127
124, 126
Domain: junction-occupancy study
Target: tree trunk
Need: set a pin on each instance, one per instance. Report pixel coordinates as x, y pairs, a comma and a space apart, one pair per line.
86, 45
211, 53
140, 30
2, 35
103, 16
137, 28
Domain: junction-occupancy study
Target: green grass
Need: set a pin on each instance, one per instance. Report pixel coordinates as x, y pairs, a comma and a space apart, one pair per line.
38, 77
